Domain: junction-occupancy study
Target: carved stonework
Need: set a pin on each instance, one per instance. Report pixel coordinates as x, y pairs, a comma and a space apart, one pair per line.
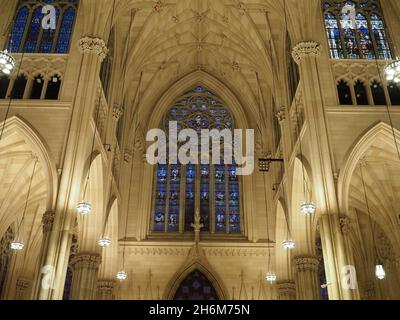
305, 49
117, 112
105, 288
48, 220
128, 155
158, 7
344, 224
87, 261
363, 70
94, 46
22, 286
286, 290
281, 114
306, 263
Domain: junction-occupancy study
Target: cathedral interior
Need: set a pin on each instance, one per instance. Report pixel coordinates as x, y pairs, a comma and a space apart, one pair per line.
85, 216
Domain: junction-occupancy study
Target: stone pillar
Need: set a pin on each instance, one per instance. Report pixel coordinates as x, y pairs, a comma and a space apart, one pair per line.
105, 290
78, 148
286, 290
306, 277
85, 270
306, 55
47, 226
22, 287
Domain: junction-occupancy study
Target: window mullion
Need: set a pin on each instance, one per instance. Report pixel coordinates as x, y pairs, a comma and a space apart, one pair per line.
58, 29
27, 27
226, 198
212, 199
167, 197
182, 200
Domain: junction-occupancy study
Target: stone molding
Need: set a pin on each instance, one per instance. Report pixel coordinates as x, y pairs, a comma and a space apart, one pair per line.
93, 46
305, 49
281, 114
306, 263
88, 261
48, 220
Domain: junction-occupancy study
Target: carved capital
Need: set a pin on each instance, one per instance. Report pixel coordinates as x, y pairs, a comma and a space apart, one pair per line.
306, 263
106, 286
281, 114
93, 46
23, 284
86, 261
344, 224
117, 112
305, 49
287, 289
48, 220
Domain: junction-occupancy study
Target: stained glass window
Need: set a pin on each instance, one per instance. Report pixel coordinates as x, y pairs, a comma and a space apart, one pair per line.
356, 30
28, 35
212, 189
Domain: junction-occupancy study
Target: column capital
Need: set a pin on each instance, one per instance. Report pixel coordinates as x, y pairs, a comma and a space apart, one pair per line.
48, 220
93, 46
306, 263
305, 49
23, 284
86, 260
117, 112
344, 224
281, 114
286, 287
106, 285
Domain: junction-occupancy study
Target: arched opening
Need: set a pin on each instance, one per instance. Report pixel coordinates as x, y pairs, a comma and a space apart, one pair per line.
37, 87
196, 286
4, 83
53, 88
212, 189
378, 94
18, 89
344, 93
361, 93
394, 93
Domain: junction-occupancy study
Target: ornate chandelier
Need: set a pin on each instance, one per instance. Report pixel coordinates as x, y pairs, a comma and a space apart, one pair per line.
104, 242
17, 245
308, 208
84, 208
122, 276
288, 244
392, 71
7, 62
271, 277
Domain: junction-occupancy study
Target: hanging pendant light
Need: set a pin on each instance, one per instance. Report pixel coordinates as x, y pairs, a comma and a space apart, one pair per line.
392, 71
288, 244
271, 277
104, 242
379, 270
308, 208
84, 208
17, 245
122, 276
7, 62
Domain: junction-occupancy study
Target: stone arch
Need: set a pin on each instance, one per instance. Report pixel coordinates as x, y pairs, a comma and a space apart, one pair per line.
355, 153
303, 227
90, 226
186, 270
282, 256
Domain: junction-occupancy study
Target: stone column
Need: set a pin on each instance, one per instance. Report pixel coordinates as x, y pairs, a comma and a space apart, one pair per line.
105, 290
78, 148
85, 270
21, 288
286, 290
306, 277
306, 55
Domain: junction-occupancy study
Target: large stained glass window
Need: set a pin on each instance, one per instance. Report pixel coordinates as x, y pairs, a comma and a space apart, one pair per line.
214, 190
28, 35
356, 29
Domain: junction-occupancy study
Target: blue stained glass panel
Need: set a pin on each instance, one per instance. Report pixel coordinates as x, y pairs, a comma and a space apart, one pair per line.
161, 195
33, 32
64, 36
190, 196
18, 29
174, 198
48, 35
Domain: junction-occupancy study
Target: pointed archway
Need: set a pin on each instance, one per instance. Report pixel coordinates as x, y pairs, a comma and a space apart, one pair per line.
196, 286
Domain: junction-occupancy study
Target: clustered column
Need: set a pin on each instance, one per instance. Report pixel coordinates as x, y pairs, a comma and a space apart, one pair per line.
85, 271
306, 275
